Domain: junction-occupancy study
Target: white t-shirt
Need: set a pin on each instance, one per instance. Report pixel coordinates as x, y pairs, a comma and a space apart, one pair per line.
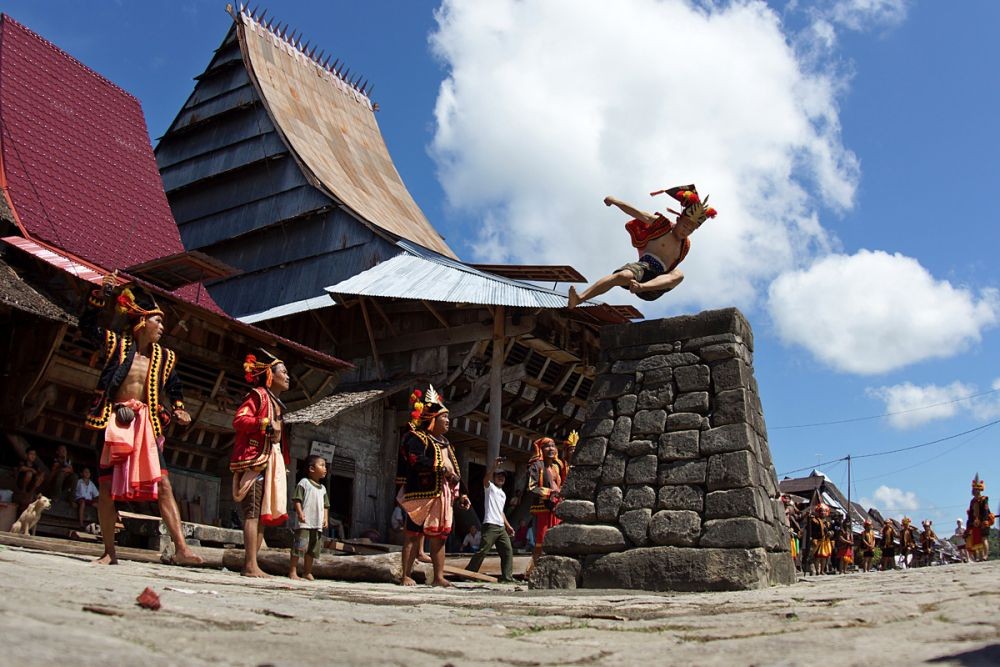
472, 540
314, 502
85, 489
496, 499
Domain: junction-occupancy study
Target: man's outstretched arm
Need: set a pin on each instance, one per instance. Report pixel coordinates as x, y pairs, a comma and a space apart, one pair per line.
628, 209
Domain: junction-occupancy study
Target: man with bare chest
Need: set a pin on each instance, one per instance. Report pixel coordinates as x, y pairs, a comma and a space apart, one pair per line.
138, 378
662, 245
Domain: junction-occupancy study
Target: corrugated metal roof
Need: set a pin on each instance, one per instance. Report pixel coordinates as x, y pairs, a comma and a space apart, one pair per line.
331, 128
315, 303
419, 274
76, 156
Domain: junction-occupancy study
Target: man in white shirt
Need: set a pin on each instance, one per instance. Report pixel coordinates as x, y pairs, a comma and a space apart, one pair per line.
496, 529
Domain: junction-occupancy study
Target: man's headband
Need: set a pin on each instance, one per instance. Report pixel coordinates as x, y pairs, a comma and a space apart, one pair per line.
130, 308
254, 369
694, 207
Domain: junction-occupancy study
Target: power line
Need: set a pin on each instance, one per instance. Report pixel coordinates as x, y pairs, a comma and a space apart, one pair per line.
925, 461
898, 450
886, 414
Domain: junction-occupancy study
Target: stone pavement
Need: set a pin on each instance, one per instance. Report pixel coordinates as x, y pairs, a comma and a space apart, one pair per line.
941, 615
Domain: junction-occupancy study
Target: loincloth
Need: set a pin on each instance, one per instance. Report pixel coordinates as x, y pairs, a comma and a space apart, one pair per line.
648, 267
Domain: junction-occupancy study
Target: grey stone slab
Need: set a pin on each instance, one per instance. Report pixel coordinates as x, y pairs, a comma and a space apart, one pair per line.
652, 362
637, 351
612, 386
576, 511
614, 468
641, 470
692, 378
569, 539
725, 351
728, 438
597, 427
639, 497
626, 367
656, 378
621, 434
649, 422
731, 374
675, 528
634, 525
683, 472
680, 569
608, 504
660, 398
640, 448
733, 406
736, 533
695, 401
681, 497
684, 421
625, 405
679, 445
732, 470
579, 487
597, 410
734, 503
781, 569
590, 451
696, 344
555, 572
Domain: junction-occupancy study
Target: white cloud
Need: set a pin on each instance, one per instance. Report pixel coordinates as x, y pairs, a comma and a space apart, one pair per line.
890, 501
918, 405
867, 14
873, 312
549, 105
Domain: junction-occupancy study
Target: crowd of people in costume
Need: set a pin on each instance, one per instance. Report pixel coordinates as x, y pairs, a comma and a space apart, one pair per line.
825, 542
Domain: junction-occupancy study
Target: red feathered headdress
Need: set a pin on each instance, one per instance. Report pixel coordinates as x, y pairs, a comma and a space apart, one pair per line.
254, 369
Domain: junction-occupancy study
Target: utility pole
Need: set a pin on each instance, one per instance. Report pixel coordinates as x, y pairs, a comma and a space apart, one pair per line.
850, 521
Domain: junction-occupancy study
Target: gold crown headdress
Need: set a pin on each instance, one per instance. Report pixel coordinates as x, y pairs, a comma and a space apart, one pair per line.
978, 484
253, 369
128, 305
424, 407
694, 208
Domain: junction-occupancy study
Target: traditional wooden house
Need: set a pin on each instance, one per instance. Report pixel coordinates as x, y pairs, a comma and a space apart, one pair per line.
82, 197
276, 165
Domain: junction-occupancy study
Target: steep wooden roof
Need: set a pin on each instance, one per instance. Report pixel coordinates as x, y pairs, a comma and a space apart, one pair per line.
330, 128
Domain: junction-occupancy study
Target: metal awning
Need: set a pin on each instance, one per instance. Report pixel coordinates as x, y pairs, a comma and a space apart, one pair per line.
57, 259
312, 303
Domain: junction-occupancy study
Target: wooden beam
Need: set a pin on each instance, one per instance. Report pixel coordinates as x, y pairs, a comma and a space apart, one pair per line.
371, 337
436, 315
385, 318
496, 386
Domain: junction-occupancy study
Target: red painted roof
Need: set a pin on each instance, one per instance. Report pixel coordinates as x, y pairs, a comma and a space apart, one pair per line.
77, 162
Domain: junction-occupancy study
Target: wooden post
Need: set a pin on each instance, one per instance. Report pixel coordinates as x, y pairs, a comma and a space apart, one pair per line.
496, 387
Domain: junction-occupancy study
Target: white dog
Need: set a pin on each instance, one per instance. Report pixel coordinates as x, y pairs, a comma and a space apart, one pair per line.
28, 521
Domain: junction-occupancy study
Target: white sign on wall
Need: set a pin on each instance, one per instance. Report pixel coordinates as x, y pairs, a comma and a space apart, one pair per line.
324, 449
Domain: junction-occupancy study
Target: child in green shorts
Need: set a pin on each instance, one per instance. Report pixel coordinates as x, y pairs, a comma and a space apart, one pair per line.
312, 506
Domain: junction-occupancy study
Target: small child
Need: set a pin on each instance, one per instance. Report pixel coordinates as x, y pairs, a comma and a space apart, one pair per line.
86, 493
312, 506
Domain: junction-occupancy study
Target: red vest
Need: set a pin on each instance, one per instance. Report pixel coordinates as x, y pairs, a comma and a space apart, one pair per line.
253, 444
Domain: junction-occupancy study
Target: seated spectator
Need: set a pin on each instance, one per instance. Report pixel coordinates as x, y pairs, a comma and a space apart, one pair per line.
86, 493
62, 477
30, 475
473, 538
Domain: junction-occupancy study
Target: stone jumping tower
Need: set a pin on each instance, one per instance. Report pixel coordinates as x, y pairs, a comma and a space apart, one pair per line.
672, 486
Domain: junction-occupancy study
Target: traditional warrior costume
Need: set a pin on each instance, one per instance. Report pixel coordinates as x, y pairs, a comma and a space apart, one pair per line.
927, 541
132, 455
907, 537
979, 519
544, 481
641, 233
819, 533
260, 454
845, 546
868, 541
428, 495
888, 542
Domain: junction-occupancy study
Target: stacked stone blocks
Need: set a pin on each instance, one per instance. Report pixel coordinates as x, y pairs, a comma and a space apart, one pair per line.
672, 481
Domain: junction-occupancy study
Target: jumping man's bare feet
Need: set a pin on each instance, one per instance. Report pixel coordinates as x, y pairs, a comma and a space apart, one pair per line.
574, 298
408, 581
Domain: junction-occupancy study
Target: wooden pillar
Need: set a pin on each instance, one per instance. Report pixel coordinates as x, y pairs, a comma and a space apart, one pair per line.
496, 387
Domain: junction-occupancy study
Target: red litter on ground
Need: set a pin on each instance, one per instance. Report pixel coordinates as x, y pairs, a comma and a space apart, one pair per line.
148, 599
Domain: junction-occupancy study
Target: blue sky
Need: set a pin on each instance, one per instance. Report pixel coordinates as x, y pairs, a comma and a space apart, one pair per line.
849, 146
